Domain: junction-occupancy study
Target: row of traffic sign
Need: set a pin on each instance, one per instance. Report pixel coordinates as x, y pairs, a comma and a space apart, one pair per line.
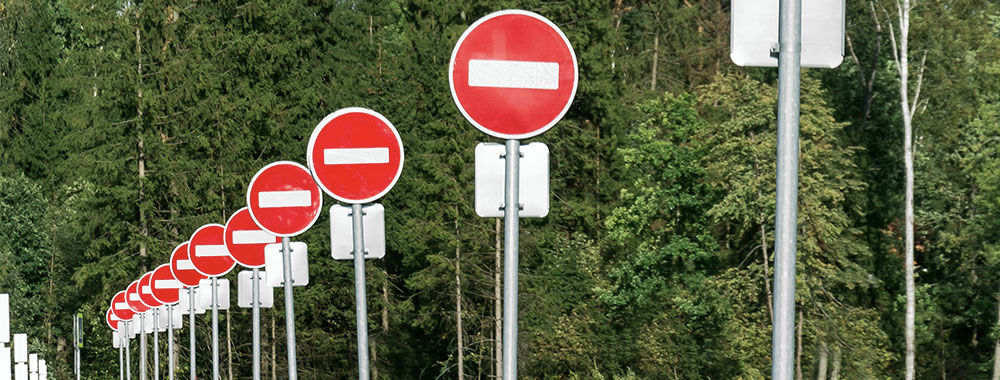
27, 366
513, 74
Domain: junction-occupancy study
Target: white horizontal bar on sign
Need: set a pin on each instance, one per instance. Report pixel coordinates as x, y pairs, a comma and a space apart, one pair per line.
513, 74
253, 237
168, 284
288, 198
121, 306
133, 297
211, 250
348, 156
185, 265
147, 289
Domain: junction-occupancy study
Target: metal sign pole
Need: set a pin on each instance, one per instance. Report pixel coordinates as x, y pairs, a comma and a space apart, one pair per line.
76, 345
156, 344
255, 303
215, 328
785, 230
360, 296
510, 259
128, 351
191, 332
142, 346
286, 264
121, 353
170, 342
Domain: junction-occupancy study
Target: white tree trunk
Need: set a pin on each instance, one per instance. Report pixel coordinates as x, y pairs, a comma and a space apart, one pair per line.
821, 371
835, 372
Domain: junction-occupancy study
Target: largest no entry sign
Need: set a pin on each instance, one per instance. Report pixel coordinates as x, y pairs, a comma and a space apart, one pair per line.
513, 74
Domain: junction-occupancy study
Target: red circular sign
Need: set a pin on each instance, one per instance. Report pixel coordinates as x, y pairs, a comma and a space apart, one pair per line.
283, 199
513, 74
182, 268
166, 288
355, 154
111, 319
120, 307
146, 291
208, 252
132, 298
245, 240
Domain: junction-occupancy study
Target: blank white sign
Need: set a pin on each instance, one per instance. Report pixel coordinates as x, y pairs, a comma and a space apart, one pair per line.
4, 319
5, 363
204, 294
244, 286
275, 268
21, 348
754, 31
533, 180
342, 231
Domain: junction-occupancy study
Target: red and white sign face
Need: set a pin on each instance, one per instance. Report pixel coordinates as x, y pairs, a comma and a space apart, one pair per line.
245, 240
166, 288
146, 291
356, 155
182, 268
112, 319
120, 307
513, 74
132, 298
283, 199
208, 252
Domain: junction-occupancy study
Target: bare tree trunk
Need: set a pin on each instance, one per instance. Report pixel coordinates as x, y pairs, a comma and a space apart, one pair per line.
458, 300
996, 347
798, 349
656, 59
901, 56
274, 356
498, 304
835, 372
821, 371
767, 271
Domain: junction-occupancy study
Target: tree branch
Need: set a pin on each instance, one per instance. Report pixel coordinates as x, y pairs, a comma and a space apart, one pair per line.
920, 82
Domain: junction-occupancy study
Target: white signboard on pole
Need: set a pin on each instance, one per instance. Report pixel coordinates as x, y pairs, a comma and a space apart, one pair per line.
5, 363
4, 318
204, 296
21, 348
533, 184
274, 267
245, 287
342, 232
753, 35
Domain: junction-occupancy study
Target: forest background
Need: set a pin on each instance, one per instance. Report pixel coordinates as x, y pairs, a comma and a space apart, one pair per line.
126, 125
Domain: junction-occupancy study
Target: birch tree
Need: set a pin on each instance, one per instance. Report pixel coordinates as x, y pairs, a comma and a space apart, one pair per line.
900, 53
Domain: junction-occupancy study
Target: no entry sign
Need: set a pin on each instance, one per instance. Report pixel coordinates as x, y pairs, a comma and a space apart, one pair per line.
132, 298
120, 307
513, 74
111, 319
182, 268
207, 251
356, 155
146, 291
245, 240
166, 288
283, 199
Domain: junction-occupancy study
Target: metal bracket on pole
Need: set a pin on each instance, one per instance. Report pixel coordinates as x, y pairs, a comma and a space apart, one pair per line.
785, 226
360, 296
286, 260
510, 257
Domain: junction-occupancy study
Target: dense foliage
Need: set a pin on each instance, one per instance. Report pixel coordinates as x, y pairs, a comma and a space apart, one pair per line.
125, 125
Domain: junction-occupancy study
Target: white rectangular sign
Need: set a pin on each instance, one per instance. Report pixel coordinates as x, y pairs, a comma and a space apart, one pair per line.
533, 182
342, 232
43, 370
21, 371
245, 295
21, 348
287, 198
5, 363
116, 340
4, 318
32, 362
351, 156
274, 267
754, 33
204, 294
185, 302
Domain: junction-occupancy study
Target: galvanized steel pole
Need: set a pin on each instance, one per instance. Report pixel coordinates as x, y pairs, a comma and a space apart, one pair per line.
156, 344
121, 353
360, 296
215, 328
286, 264
191, 333
128, 351
255, 284
510, 215
142, 346
786, 212
170, 342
